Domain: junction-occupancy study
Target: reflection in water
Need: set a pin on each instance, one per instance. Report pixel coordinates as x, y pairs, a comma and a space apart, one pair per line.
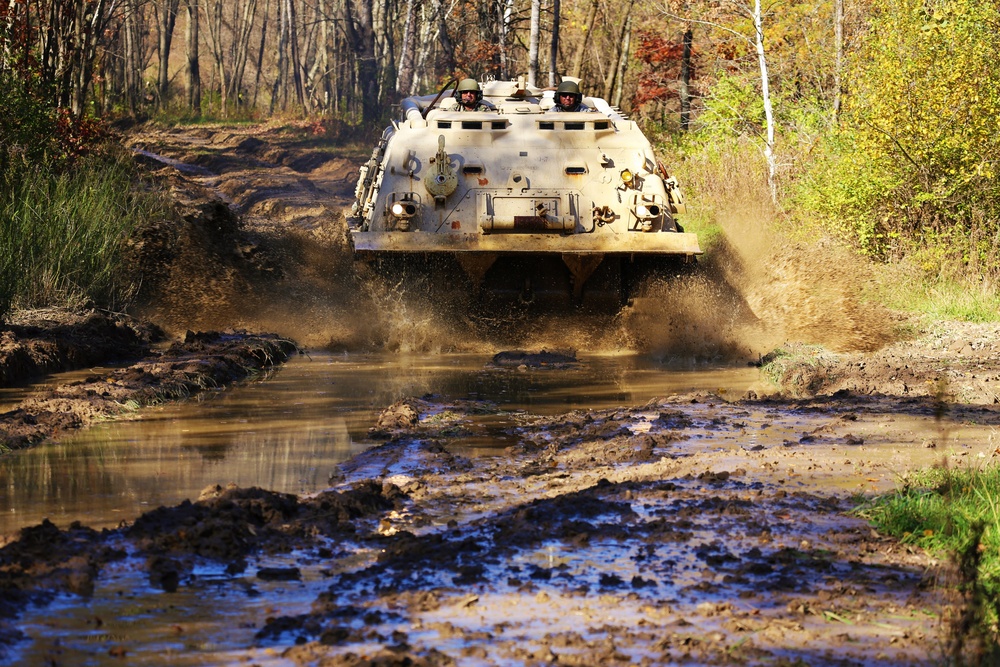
289, 432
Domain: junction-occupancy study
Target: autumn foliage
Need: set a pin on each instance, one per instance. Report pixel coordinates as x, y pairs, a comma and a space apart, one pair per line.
662, 58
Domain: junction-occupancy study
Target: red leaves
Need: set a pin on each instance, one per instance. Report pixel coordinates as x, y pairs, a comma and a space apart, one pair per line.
662, 57
78, 136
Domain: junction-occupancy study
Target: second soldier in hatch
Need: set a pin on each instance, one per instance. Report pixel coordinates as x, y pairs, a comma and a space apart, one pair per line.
569, 98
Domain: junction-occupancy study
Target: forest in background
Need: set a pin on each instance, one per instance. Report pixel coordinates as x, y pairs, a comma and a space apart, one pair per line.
871, 120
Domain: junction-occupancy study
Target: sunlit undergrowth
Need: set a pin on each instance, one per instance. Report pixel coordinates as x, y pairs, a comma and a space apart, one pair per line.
954, 513
724, 185
65, 233
939, 295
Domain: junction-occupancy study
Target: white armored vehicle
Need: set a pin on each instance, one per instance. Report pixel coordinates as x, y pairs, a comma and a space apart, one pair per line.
529, 200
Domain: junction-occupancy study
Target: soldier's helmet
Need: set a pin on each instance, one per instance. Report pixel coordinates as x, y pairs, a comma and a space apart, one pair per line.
467, 86
569, 88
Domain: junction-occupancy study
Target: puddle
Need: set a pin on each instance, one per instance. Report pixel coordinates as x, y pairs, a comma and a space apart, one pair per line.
288, 433
725, 541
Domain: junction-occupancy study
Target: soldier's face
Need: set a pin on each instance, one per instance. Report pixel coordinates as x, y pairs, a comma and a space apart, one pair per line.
468, 98
566, 99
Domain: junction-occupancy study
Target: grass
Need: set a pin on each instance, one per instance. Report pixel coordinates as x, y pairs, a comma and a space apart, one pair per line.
65, 236
797, 368
941, 296
954, 513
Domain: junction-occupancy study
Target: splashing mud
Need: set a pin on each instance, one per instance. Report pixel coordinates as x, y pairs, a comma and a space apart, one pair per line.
807, 293
272, 254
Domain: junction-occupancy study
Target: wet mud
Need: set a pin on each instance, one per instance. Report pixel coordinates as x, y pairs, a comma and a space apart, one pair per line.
197, 363
695, 529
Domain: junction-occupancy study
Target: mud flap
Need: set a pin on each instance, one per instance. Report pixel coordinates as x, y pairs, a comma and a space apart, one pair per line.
581, 267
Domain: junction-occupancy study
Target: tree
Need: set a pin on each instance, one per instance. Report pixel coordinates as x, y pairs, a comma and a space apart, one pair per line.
407, 59
361, 41
193, 63
735, 10
588, 29
554, 47
915, 160
534, 36
168, 19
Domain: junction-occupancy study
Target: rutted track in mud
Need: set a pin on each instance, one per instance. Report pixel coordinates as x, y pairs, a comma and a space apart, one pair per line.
696, 529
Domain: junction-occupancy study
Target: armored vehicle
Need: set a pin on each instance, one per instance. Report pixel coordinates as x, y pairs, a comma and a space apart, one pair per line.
527, 199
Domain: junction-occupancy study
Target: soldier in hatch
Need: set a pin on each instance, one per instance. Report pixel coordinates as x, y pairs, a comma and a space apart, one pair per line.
569, 98
469, 96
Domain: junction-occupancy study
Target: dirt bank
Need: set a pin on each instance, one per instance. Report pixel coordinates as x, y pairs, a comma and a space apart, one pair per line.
696, 529
58, 341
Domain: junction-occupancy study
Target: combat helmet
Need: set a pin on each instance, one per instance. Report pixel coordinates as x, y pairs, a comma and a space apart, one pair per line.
466, 86
572, 88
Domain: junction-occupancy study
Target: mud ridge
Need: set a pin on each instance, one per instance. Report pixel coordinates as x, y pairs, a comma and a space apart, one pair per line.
201, 362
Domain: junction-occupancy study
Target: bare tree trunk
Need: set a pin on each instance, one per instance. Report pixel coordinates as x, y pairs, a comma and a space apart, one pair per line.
323, 56
404, 82
296, 61
242, 29
554, 50
134, 62
92, 20
612, 77
506, 13
193, 65
260, 53
279, 91
623, 64
446, 44
215, 43
838, 31
533, 38
758, 24
581, 48
685, 88
168, 19
361, 33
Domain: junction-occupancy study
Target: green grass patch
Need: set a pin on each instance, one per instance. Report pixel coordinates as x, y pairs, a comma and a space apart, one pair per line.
956, 514
65, 235
906, 288
798, 369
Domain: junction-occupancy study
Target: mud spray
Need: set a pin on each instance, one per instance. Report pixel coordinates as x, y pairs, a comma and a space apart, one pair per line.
752, 292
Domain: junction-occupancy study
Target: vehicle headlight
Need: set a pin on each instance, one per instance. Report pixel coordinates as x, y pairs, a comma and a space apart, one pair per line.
403, 209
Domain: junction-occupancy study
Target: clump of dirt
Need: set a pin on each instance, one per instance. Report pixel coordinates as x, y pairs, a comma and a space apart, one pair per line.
541, 359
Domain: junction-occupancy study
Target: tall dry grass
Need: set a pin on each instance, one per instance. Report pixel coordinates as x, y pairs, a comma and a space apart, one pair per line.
64, 236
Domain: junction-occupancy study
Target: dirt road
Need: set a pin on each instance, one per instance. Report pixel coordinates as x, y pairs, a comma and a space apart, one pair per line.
696, 529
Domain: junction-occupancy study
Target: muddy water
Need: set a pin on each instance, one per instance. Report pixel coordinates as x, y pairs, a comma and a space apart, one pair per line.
288, 433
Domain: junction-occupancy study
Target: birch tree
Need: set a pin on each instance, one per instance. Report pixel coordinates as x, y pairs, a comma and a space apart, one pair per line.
755, 42
534, 35
407, 59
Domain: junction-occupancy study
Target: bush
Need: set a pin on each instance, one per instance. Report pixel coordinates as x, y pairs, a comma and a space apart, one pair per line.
912, 166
